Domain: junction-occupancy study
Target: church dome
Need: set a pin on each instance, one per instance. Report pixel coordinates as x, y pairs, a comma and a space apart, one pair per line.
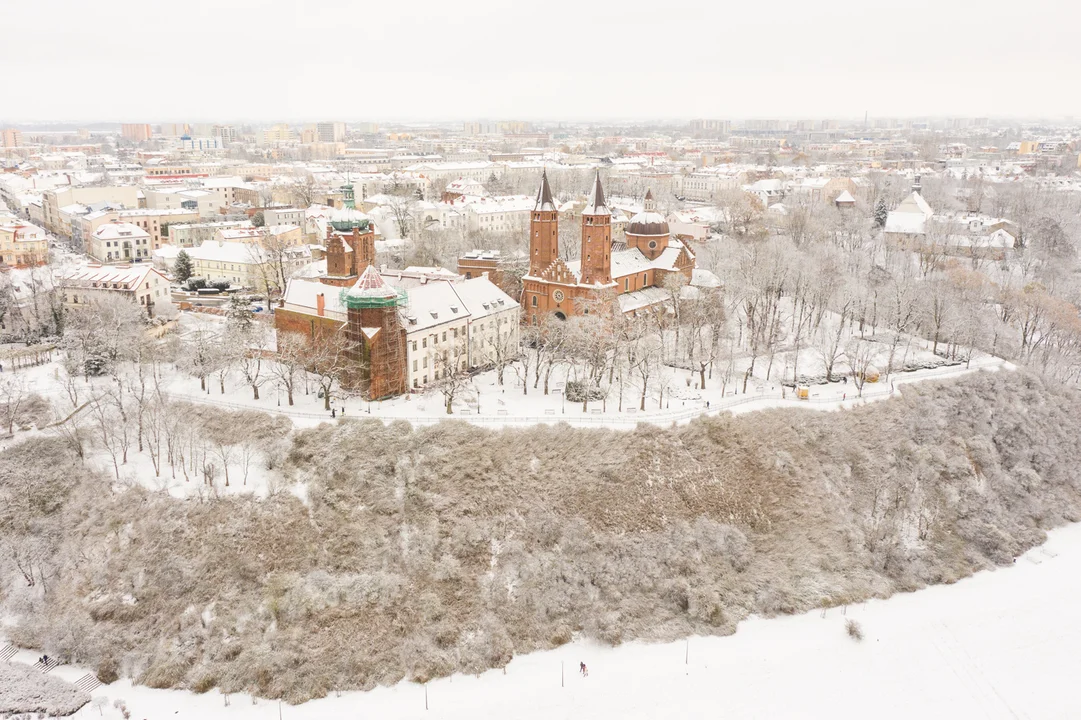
346, 218
649, 221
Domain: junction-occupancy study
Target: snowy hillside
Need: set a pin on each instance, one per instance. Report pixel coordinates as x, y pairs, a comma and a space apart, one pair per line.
1001, 644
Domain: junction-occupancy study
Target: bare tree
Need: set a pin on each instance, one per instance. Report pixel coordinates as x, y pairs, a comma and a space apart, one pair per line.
100, 335
252, 359
303, 192
504, 347
860, 355
829, 346
331, 361
13, 394
644, 358
402, 203
451, 375
293, 353
199, 356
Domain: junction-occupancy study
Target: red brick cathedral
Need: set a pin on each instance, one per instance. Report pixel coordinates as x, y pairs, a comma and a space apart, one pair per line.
631, 273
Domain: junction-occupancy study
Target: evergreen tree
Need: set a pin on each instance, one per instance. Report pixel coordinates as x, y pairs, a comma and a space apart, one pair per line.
239, 312
182, 268
257, 220
880, 212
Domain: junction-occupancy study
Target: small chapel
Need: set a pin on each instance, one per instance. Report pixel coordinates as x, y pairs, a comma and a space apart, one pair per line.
631, 273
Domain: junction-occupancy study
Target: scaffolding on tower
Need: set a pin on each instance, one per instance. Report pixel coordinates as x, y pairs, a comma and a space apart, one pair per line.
377, 339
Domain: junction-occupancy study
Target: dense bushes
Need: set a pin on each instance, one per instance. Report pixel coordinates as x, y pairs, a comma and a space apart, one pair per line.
198, 283
24, 689
450, 548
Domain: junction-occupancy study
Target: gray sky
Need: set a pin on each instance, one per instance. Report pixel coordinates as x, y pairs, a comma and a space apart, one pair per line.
270, 60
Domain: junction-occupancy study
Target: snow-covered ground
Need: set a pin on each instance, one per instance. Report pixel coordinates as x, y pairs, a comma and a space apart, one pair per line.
493, 405
673, 394
1002, 644
487, 403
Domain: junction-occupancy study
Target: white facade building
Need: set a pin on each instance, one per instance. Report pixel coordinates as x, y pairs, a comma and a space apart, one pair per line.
284, 216
500, 214
119, 242
446, 318
141, 284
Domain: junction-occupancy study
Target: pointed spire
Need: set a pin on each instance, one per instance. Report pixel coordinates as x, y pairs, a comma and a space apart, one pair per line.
371, 285
595, 205
649, 205
544, 195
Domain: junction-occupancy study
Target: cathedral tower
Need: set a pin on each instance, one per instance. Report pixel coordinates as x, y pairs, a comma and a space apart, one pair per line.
543, 230
596, 255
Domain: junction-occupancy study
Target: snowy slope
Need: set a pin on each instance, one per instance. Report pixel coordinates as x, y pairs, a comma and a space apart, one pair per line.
1002, 644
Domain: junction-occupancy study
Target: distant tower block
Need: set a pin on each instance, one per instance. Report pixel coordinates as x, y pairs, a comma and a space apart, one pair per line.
376, 336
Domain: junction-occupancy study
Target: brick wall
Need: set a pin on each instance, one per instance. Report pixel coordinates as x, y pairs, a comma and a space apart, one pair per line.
310, 326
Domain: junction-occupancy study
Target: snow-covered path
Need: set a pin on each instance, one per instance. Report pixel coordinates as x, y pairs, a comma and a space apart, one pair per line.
1000, 645
513, 410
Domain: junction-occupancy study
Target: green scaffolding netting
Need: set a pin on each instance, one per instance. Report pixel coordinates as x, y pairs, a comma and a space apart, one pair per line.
358, 303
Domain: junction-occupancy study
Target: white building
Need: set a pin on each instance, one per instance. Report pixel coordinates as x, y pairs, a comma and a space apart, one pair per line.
480, 170
284, 216
328, 132
119, 242
705, 185
908, 221
187, 235
203, 144
245, 264
141, 284
444, 314
206, 202
499, 214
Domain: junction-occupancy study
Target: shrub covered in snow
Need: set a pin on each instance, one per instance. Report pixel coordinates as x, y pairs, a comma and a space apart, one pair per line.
24, 689
417, 553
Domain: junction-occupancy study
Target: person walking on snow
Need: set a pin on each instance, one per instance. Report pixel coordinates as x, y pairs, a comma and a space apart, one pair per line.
582, 668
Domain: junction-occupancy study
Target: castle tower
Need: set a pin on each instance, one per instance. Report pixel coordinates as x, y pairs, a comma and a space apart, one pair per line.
363, 244
543, 230
377, 339
596, 255
338, 265
350, 247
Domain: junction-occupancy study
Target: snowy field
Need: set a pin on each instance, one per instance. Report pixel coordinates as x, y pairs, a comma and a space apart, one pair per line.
1002, 644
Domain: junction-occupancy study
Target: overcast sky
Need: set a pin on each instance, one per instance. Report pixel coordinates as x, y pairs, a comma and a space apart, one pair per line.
285, 60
